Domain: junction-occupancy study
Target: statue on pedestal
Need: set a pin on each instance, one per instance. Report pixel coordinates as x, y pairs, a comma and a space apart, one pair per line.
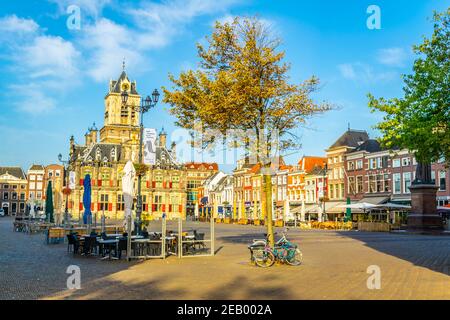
423, 174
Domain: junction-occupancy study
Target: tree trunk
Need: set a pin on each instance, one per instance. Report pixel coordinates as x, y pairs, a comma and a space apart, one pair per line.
269, 205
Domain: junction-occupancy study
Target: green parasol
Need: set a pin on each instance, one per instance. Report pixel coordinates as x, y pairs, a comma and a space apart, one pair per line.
49, 203
348, 211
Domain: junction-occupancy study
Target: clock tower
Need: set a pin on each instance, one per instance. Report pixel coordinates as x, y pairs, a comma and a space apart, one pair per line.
121, 124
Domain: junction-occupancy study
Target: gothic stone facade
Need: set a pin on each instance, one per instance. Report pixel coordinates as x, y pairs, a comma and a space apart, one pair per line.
163, 185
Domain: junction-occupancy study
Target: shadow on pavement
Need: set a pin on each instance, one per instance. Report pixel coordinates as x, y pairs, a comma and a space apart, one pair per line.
432, 252
108, 289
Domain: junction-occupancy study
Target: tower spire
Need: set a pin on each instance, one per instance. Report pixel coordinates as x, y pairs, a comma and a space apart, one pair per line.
123, 64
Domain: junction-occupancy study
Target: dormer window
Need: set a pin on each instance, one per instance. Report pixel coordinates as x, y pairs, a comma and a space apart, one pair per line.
98, 154
113, 154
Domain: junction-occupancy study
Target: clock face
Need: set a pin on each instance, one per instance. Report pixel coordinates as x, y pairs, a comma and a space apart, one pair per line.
125, 86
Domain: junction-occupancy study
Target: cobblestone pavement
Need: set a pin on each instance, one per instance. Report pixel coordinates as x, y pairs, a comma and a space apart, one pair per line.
334, 267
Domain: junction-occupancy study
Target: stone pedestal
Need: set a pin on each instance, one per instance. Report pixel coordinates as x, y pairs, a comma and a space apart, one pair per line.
424, 216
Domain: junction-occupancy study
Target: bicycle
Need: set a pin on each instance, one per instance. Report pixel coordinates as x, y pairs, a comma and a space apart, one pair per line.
263, 255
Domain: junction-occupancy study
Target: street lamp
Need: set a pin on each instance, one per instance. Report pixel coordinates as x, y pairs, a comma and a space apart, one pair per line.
66, 164
146, 105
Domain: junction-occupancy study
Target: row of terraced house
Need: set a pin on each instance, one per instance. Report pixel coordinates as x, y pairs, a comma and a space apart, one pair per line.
19, 190
353, 169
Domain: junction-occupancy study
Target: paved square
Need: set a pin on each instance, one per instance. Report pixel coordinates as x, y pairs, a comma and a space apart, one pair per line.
334, 267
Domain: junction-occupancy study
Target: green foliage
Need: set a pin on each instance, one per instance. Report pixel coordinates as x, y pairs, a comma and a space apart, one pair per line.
420, 120
243, 84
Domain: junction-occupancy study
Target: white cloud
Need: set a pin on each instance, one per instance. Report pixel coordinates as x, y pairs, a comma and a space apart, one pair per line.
14, 24
362, 72
228, 18
160, 22
153, 25
91, 8
395, 57
44, 65
50, 56
34, 100
47, 65
106, 44
347, 71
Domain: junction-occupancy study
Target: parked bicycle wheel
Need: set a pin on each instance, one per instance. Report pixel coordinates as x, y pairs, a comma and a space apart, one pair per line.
263, 258
295, 258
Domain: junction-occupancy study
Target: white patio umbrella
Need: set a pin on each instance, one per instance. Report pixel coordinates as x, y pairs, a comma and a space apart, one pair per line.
319, 213
303, 211
128, 194
31, 202
393, 206
286, 210
196, 211
358, 205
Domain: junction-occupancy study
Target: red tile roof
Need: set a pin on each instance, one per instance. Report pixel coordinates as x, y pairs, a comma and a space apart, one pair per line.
308, 163
198, 165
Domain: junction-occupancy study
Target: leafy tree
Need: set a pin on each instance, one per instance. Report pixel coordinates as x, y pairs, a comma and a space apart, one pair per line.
420, 120
242, 83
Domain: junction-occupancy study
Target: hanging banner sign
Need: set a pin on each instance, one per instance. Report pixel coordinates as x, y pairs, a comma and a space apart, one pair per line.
72, 180
320, 189
149, 146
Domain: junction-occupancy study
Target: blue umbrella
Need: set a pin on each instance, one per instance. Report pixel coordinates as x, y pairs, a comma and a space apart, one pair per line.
87, 216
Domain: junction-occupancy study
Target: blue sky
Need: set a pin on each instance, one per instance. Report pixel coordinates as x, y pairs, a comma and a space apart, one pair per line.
54, 79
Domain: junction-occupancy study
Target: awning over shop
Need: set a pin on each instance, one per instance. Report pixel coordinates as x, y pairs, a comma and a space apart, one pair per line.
374, 200
298, 209
332, 207
314, 208
405, 201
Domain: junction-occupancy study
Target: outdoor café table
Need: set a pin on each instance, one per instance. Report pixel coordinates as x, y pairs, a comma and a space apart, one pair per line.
171, 244
189, 244
139, 245
109, 243
114, 235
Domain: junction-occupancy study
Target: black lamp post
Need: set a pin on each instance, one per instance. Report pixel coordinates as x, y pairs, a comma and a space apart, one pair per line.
146, 105
66, 164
